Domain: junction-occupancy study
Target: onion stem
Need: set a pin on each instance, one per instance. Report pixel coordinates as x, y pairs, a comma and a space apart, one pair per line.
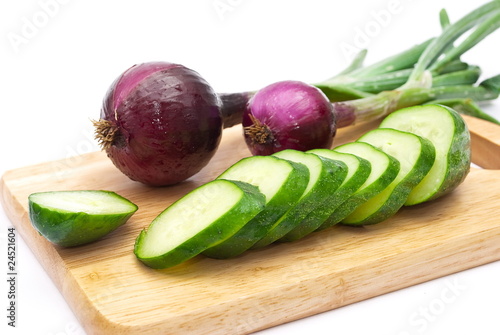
356, 63
376, 106
465, 106
483, 30
449, 35
403, 60
418, 88
233, 106
463, 77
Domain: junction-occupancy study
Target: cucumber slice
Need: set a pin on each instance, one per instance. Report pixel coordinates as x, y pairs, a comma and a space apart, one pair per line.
384, 170
325, 177
358, 170
446, 129
415, 155
72, 218
282, 182
204, 217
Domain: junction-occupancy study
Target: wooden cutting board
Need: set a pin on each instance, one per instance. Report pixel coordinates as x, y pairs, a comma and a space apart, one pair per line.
112, 293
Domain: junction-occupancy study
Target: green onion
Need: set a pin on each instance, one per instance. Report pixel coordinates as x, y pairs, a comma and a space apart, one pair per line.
425, 72
466, 107
423, 82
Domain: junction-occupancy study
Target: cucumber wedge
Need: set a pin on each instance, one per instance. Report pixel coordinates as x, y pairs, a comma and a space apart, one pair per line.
281, 181
204, 217
72, 218
446, 129
384, 170
325, 176
416, 156
358, 170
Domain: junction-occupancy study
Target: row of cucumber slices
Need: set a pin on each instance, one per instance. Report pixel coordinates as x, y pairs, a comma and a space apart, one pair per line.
417, 154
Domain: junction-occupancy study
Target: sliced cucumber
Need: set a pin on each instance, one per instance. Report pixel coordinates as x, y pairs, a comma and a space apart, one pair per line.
358, 170
446, 129
282, 182
325, 176
384, 170
415, 155
72, 218
203, 218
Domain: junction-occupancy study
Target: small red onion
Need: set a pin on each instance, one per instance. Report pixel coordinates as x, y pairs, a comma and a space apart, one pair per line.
288, 115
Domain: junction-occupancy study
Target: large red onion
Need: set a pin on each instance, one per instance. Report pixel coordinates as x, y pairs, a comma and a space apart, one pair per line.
288, 115
160, 123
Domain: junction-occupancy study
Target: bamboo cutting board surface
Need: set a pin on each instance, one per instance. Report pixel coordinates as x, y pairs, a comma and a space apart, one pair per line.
113, 293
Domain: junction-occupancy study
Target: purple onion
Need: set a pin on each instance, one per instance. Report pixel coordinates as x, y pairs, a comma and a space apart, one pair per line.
160, 123
288, 115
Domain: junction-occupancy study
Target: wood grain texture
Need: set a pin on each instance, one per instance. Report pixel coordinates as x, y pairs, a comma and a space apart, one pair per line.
112, 293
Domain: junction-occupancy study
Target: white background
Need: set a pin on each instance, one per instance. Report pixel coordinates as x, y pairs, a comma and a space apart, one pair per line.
57, 62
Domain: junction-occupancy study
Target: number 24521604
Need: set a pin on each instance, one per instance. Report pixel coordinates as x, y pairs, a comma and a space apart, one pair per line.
11, 250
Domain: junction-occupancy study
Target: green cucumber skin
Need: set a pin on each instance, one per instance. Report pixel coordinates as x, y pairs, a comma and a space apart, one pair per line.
400, 193
459, 153
332, 175
251, 203
358, 198
315, 219
69, 229
260, 225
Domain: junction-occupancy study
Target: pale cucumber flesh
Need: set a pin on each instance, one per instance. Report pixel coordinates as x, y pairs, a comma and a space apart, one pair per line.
358, 170
448, 132
384, 169
186, 218
282, 182
73, 218
90, 202
267, 173
310, 161
203, 218
379, 161
352, 161
325, 177
415, 155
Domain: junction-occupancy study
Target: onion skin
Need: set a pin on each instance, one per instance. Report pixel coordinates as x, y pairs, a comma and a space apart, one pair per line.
165, 121
288, 115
